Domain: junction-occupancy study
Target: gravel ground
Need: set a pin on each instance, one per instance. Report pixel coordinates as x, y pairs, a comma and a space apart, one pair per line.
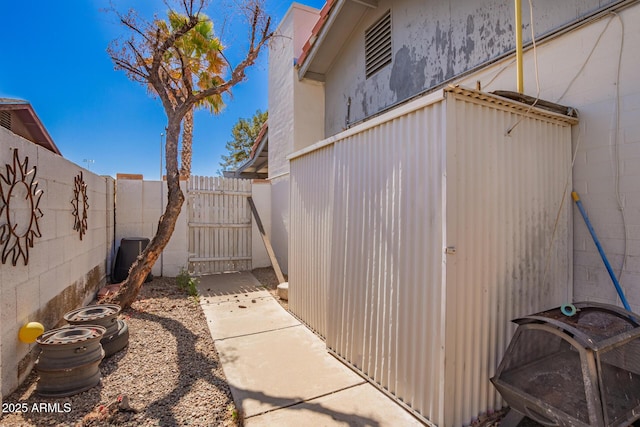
170, 373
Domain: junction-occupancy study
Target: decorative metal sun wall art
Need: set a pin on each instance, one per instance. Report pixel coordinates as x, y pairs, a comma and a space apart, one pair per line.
19, 211
80, 205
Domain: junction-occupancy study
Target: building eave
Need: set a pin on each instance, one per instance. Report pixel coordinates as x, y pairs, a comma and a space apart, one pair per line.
257, 165
334, 26
27, 115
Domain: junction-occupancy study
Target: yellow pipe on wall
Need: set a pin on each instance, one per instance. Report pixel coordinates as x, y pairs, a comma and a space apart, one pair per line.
519, 67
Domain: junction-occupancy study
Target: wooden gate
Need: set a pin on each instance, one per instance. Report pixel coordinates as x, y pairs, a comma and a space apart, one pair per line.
219, 224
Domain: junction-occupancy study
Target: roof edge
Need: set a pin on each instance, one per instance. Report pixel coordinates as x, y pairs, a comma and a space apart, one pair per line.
327, 17
43, 138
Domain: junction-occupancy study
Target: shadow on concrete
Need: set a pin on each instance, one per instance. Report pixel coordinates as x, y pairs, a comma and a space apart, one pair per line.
188, 355
293, 403
216, 285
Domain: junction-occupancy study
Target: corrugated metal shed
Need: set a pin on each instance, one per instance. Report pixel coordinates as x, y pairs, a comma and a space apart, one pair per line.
417, 236
310, 236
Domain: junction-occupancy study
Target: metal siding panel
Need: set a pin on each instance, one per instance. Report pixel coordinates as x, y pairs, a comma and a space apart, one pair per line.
507, 191
310, 237
385, 287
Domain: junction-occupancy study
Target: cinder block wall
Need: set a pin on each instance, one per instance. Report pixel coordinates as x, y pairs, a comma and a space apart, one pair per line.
140, 204
63, 272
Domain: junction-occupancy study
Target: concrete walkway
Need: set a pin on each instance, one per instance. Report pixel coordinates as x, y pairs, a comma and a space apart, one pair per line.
280, 373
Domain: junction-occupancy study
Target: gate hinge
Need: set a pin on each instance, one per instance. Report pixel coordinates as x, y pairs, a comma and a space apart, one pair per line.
450, 250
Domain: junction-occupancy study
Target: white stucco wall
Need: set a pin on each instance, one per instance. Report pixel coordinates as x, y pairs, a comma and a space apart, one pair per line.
308, 121
603, 143
290, 128
63, 272
280, 92
280, 220
137, 215
261, 195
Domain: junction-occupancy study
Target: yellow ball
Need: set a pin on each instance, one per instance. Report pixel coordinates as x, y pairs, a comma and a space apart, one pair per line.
29, 332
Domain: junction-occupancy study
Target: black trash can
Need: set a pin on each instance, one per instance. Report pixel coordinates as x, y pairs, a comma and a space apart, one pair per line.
130, 248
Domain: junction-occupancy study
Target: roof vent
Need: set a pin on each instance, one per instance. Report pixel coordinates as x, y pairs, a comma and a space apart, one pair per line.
5, 119
377, 45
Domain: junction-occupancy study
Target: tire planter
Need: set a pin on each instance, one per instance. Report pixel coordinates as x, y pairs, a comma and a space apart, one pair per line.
69, 360
116, 336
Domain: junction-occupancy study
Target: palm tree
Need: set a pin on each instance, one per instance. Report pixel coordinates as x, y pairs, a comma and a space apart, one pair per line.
143, 57
199, 54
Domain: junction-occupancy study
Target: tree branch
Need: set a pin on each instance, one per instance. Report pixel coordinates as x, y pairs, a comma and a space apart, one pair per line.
185, 73
171, 41
237, 75
127, 23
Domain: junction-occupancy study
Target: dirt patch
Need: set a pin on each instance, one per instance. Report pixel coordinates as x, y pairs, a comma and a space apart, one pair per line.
169, 374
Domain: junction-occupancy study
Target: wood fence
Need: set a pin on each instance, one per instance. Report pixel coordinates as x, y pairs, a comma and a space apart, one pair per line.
219, 224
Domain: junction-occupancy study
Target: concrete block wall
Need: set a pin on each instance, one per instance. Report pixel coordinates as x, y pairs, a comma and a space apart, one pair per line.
606, 142
63, 272
139, 206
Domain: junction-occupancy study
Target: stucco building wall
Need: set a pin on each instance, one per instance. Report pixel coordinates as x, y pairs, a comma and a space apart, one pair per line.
432, 42
296, 116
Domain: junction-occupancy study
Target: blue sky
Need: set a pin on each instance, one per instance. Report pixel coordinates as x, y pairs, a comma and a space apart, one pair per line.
54, 56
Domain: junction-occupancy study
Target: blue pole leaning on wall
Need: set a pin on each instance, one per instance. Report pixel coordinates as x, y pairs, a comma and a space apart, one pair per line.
576, 199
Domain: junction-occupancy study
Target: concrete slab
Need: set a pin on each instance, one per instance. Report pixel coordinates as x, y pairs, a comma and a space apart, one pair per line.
243, 297
229, 319
280, 368
228, 286
362, 405
279, 372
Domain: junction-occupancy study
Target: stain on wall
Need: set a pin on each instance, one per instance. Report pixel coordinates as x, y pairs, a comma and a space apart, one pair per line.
408, 73
468, 45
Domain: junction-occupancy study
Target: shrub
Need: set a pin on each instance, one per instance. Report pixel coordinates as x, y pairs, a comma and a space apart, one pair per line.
187, 283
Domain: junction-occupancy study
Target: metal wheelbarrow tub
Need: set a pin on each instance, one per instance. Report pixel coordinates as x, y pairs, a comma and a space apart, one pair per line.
582, 370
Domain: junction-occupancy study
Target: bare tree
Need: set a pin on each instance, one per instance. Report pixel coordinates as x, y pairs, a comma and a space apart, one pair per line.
145, 56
